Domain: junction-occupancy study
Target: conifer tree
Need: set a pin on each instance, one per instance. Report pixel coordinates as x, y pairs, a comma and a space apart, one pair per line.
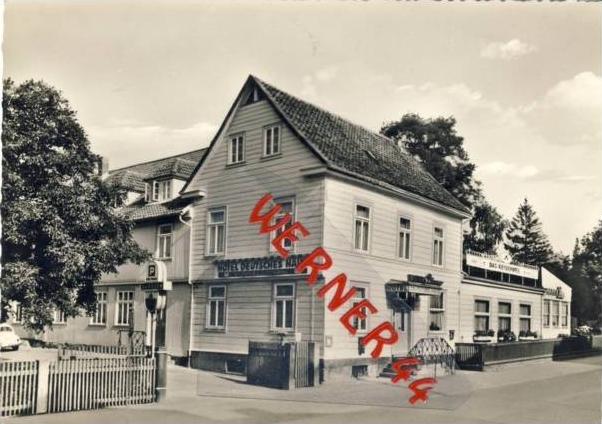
526, 241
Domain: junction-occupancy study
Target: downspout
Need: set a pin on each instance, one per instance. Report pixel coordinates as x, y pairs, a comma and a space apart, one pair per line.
189, 225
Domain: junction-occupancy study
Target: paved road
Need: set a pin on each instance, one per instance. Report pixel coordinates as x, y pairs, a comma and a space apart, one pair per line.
532, 392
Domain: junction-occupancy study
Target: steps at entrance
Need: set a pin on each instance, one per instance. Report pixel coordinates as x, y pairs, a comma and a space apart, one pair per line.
418, 372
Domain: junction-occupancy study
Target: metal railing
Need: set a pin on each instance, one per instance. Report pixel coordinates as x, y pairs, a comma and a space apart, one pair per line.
435, 350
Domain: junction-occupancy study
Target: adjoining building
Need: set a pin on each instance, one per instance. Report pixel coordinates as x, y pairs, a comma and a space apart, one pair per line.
162, 226
498, 296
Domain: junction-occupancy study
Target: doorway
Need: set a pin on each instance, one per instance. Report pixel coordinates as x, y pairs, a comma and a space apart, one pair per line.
402, 321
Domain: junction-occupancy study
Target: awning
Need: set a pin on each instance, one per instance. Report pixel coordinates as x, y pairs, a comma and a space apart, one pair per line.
423, 288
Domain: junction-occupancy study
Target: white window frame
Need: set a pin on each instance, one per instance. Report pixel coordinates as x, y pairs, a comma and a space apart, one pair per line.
482, 314
407, 232
523, 317
290, 246
564, 314
58, 317
268, 140
504, 315
364, 223
17, 313
164, 240
237, 140
213, 250
547, 315
164, 190
361, 325
285, 299
438, 311
555, 313
438, 257
123, 299
100, 315
217, 300
155, 193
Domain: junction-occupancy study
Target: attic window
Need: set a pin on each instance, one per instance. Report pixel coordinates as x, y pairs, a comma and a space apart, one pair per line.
254, 96
369, 154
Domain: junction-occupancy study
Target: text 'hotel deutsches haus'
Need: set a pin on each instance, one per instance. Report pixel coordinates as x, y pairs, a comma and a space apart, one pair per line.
385, 221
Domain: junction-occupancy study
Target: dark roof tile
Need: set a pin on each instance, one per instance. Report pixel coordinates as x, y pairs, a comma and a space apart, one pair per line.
132, 177
350, 147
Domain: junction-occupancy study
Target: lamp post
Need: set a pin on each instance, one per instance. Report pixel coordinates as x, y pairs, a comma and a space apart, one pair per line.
156, 300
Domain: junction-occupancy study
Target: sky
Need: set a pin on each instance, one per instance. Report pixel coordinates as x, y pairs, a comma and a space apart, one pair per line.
523, 79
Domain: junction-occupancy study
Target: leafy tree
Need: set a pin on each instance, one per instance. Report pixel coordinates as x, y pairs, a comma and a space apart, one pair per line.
526, 241
587, 271
486, 228
60, 231
436, 144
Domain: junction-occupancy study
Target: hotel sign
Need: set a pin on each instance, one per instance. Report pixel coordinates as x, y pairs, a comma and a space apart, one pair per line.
493, 264
557, 292
267, 265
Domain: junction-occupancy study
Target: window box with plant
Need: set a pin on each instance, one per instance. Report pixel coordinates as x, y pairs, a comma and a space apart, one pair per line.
506, 336
482, 336
527, 335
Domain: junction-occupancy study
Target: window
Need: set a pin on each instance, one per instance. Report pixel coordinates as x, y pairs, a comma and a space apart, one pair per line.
525, 317
288, 207
438, 246
161, 190
481, 315
236, 150
359, 324
283, 306
405, 228
216, 232
124, 308
216, 307
100, 316
504, 312
564, 314
555, 314
17, 312
271, 140
362, 227
436, 312
58, 317
546, 313
165, 190
155, 191
164, 241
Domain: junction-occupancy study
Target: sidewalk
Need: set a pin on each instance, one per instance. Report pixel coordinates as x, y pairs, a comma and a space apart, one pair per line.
528, 392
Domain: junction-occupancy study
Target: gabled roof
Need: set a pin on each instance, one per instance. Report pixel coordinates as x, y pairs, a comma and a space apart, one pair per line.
132, 177
349, 148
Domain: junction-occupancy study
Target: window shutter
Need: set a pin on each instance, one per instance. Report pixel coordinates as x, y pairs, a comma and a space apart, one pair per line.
146, 192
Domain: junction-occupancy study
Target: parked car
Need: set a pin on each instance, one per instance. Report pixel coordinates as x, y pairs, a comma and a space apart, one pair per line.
8, 338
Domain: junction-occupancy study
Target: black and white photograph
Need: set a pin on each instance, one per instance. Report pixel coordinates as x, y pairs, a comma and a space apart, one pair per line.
312, 211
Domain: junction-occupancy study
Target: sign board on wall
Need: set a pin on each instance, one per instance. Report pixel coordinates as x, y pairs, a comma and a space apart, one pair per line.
156, 277
493, 264
557, 292
267, 265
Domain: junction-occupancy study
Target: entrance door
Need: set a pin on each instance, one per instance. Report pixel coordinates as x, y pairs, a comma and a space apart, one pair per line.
401, 319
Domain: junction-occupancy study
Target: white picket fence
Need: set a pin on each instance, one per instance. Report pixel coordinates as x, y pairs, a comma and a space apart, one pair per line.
18, 388
36, 387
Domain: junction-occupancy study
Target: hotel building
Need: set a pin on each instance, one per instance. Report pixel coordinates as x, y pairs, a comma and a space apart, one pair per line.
385, 221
